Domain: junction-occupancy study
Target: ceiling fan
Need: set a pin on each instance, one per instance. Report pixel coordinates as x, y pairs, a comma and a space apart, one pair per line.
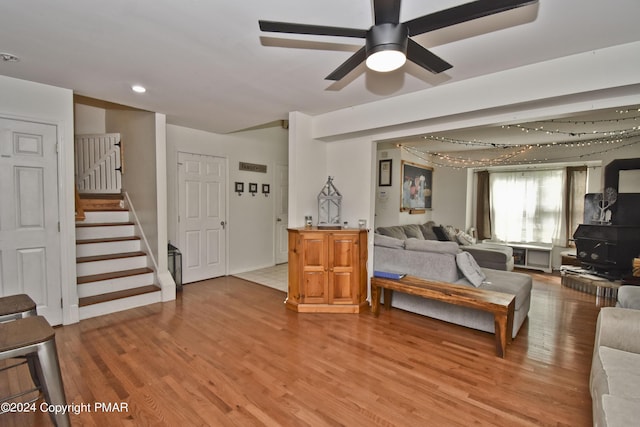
388, 42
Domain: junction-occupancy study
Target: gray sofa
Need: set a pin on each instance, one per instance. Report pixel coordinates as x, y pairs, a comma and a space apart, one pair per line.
615, 369
436, 260
494, 256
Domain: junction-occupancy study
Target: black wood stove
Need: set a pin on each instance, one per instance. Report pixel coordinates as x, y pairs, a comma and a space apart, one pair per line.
608, 249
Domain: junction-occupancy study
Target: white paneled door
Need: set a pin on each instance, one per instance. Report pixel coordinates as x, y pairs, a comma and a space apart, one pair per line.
29, 236
282, 213
202, 216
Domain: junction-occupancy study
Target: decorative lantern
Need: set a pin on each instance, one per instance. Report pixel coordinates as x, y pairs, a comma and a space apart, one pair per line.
329, 206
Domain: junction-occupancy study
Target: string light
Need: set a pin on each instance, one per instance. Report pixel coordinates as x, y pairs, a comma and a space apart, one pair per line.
510, 157
604, 136
605, 139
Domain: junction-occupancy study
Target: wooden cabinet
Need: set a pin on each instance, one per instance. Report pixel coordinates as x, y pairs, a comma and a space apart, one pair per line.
327, 270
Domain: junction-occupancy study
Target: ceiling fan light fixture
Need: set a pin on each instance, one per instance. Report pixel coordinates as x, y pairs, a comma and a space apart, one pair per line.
386, 46
386, 60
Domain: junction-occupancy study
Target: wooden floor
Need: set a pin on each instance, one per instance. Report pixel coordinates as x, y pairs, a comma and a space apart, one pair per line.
227, 352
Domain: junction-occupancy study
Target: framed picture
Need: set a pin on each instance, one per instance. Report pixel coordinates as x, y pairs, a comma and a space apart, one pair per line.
253, 188
384, 173
239, 187
417, 182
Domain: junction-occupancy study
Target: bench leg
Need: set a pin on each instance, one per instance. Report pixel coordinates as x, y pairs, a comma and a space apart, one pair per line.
501, 333
375, 299
387, 298
504, 328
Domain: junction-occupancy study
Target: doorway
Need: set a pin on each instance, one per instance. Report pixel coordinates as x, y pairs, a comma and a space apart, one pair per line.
282, 214
202, 216
29, 215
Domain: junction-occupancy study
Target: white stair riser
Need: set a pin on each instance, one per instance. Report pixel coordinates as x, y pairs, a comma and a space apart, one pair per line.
110, 265
102, 308
105, 248
85, 233
105, 216
114, 285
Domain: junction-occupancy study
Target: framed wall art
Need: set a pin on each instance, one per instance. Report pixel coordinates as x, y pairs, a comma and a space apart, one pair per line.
239, 188
384, 173
253, 188
417, 183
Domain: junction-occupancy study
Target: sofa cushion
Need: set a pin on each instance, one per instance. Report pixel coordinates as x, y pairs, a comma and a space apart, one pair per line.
629, 297
431, 246
387, 242
413, 231
621, 370
620, 411
470, 268
509, 282
396, 231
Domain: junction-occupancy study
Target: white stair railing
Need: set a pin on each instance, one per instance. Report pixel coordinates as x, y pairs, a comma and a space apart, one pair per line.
98, 163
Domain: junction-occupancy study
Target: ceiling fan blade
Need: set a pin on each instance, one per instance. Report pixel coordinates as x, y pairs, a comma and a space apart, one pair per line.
386, 11
320, 30
425, 58
463, 13
348, 65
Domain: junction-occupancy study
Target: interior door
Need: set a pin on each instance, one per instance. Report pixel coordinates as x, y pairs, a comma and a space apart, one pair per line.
282, 213
202, 216
29, 236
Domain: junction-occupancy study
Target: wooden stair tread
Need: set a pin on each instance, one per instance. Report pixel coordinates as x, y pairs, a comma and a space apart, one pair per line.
109, 257
107, 240
110, 209
111, 296
113, 275
101, 196
103, 224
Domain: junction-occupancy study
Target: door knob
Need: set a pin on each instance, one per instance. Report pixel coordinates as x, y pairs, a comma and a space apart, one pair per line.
278, 219
223, 224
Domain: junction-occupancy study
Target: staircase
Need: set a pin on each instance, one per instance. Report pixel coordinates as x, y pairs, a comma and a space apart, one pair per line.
113, 273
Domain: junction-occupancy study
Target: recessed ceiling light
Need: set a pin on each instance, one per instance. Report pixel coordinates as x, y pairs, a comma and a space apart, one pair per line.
8, 57
138, 89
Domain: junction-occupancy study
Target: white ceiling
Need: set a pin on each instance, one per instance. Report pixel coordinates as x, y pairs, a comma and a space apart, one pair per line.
206, 65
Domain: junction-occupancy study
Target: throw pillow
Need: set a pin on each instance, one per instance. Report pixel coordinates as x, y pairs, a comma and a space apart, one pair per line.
427, 231
464, 238
451, 232
470, 268
440, 233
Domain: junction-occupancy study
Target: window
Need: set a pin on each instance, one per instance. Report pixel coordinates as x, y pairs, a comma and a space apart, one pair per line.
527, 206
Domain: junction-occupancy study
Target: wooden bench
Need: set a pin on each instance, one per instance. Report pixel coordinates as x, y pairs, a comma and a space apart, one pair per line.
501, 305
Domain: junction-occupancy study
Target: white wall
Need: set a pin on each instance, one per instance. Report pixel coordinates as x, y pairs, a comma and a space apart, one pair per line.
449, 192
89, 119
138, 135
21, 99
540, 90
307, 170
251, 220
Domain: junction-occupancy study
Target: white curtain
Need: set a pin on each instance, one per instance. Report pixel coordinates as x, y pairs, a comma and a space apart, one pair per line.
527, 206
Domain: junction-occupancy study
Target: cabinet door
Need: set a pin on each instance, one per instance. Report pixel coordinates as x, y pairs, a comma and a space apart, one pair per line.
314, 268
343, 268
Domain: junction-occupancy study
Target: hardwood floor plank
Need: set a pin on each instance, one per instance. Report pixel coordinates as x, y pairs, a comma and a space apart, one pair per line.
228, 353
